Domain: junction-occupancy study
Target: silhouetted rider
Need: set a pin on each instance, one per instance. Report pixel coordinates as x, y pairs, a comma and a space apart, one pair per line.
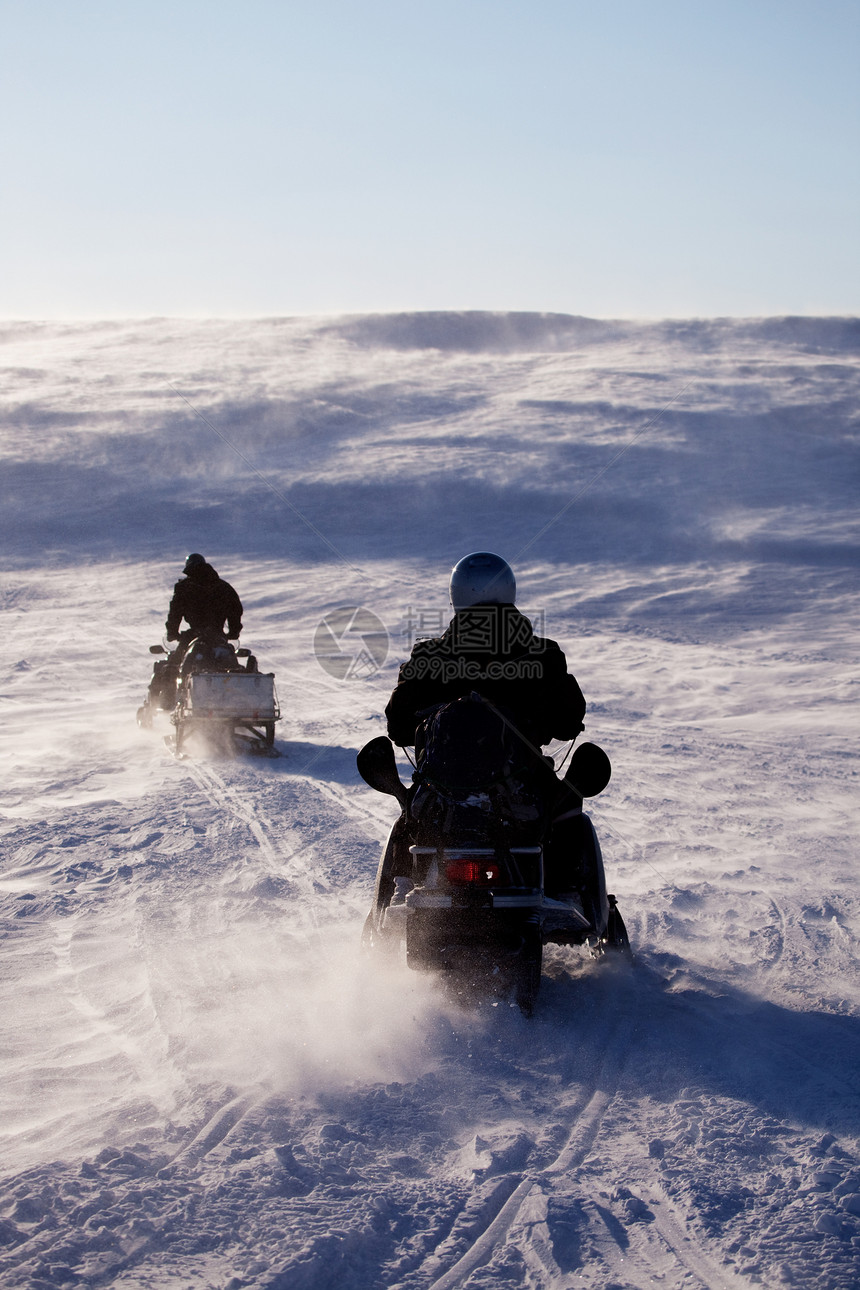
490, 648
212, 609
207, 603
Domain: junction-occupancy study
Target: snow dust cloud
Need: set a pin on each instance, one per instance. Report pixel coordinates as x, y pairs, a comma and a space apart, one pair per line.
266, 1008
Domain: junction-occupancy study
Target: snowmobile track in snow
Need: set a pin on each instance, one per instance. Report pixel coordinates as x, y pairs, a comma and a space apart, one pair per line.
518, 1206
690, 1255
225, 796
216, 1129
585, 1117
281, 857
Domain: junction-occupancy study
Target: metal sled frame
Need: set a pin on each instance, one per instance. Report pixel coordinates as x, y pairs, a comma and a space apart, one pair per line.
226, 731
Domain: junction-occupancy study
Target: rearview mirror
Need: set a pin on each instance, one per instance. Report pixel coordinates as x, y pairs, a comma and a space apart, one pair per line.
378, 768
157, 649
589, 771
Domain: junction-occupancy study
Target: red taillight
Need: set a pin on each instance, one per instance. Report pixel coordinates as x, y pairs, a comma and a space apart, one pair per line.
470, 872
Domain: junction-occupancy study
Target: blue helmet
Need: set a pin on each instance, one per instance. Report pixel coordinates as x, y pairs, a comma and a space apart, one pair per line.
482, 579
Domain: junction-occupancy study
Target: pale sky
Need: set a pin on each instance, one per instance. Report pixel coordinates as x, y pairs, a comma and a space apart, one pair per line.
236, 158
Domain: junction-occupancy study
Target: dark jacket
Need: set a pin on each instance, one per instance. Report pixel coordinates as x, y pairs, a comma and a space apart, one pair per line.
490, 649
206, 602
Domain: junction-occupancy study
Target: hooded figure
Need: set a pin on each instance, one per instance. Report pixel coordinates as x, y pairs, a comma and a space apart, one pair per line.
206, 603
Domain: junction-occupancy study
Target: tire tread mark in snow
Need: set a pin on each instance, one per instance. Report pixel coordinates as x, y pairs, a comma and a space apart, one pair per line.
221, 794
691, 1256
214, 1131
588, 1114
588, 1119
481, 1250
225, 797
348, 804
775, 952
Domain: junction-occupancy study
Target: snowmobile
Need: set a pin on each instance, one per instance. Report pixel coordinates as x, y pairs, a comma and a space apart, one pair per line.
473, 878
216, 691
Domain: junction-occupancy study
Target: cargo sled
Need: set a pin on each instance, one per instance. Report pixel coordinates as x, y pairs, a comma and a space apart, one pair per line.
215, 691
227, 708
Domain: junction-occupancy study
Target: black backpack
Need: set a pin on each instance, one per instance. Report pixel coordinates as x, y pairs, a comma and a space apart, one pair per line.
465, 745
474, 772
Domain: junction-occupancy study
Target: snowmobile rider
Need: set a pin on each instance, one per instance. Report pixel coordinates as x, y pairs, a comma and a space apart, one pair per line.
206, 602
209, 605
490, 648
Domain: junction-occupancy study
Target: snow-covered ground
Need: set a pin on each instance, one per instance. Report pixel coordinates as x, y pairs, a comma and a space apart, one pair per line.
204, 1083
